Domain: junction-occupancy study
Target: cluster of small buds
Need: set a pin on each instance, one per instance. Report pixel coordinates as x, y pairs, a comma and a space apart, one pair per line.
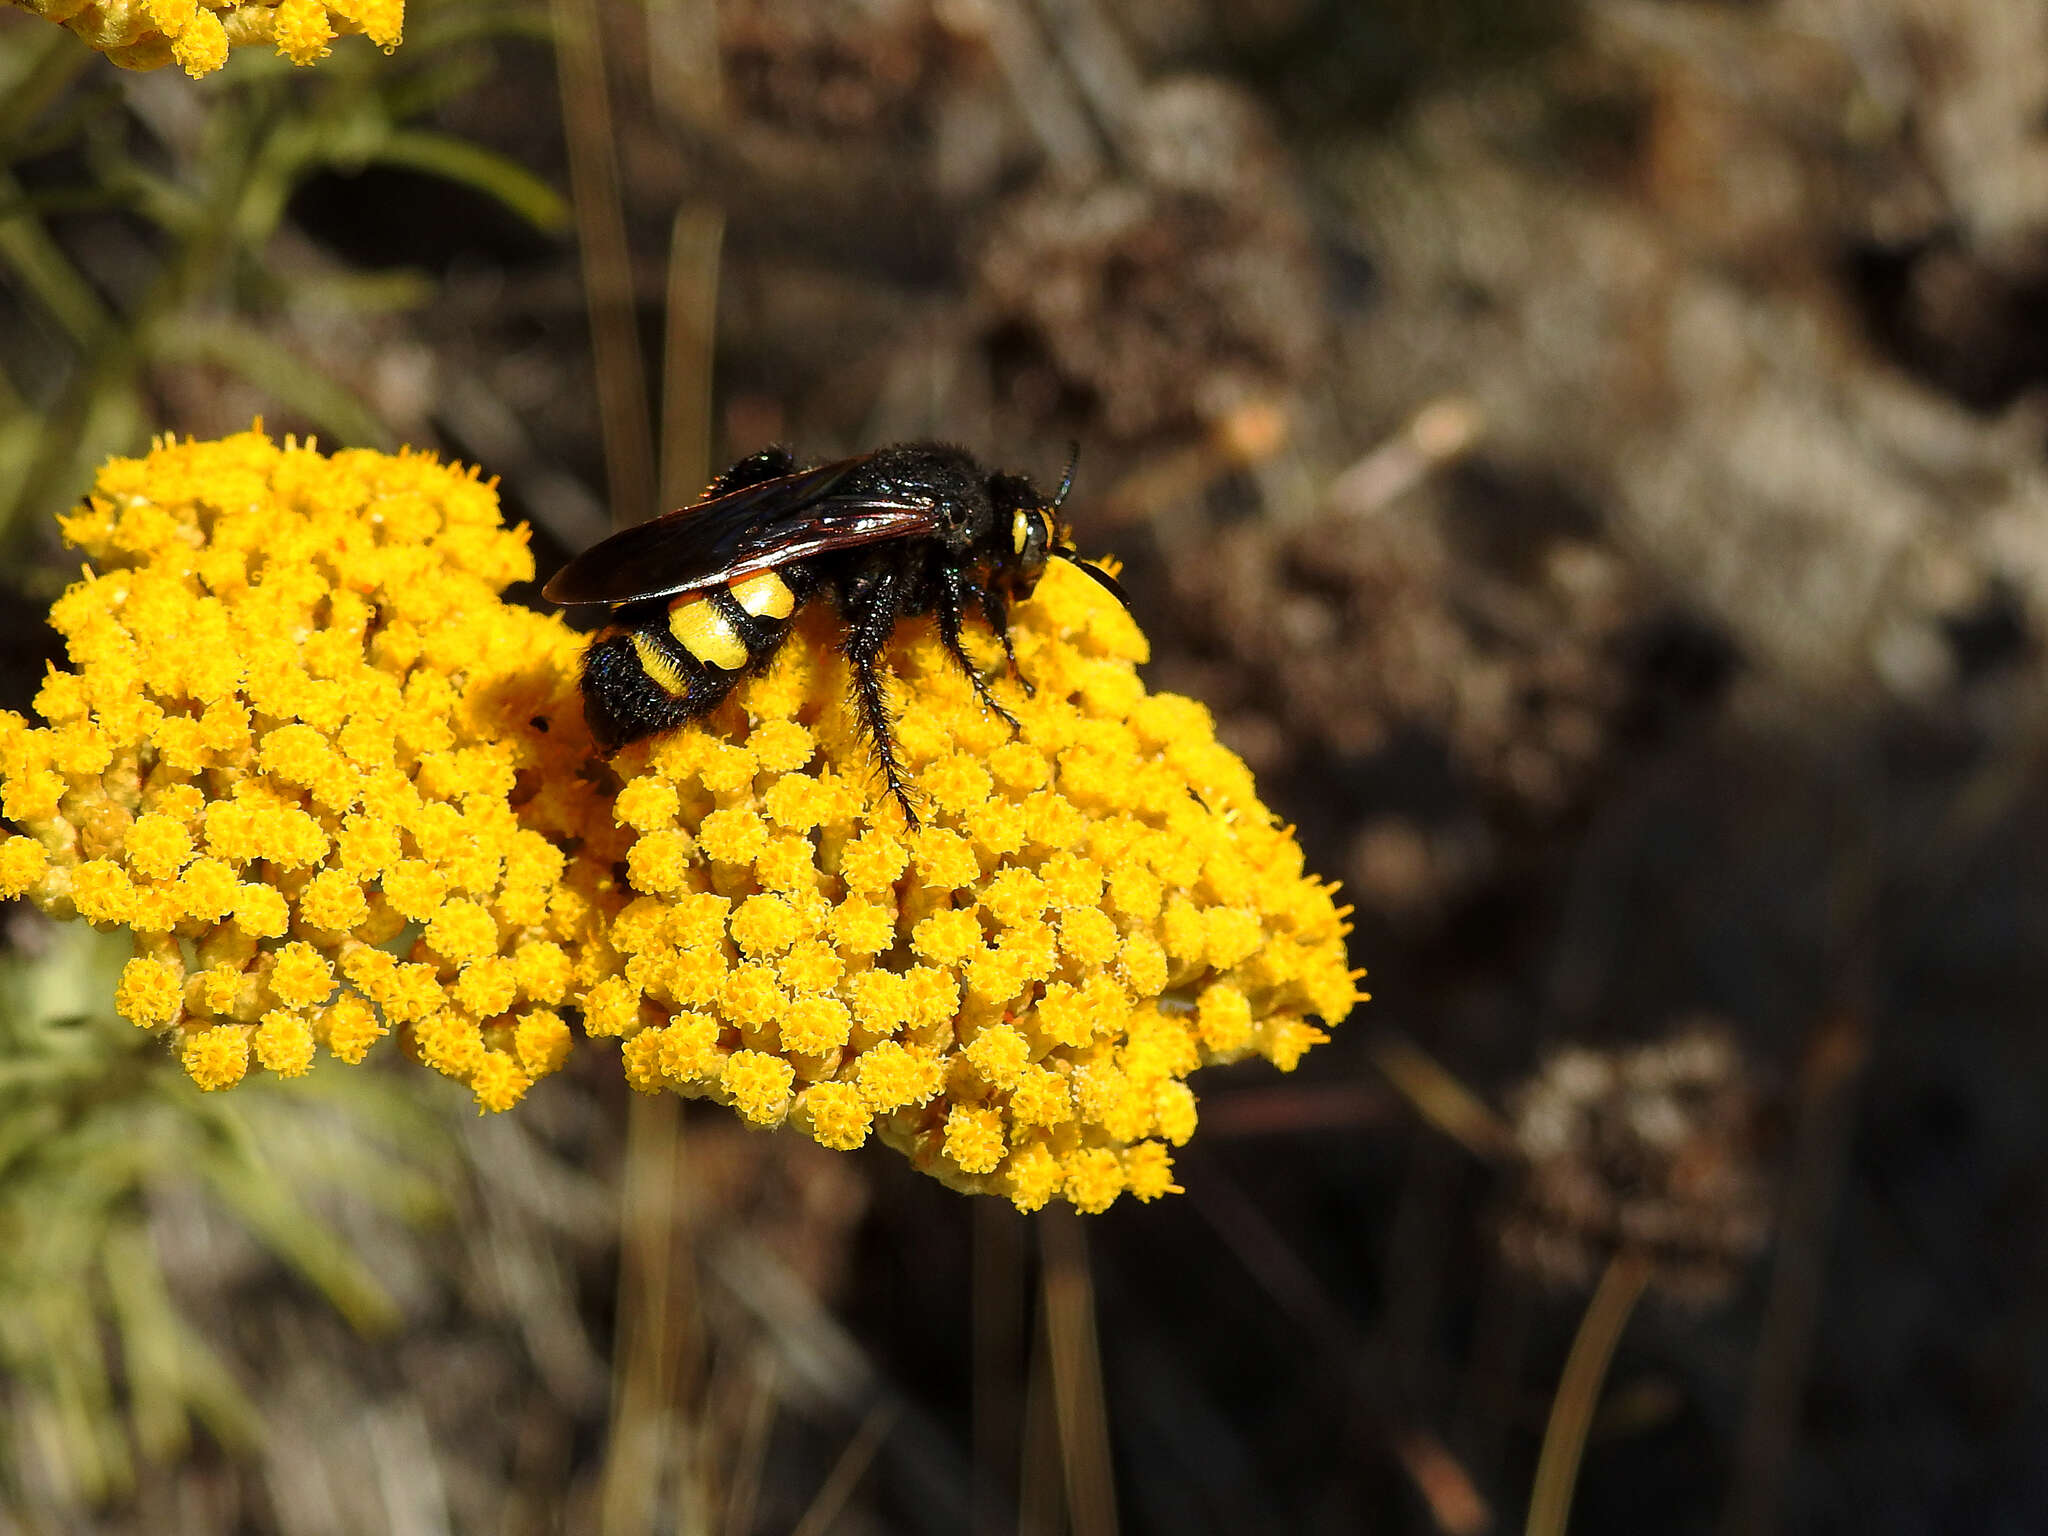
1012, 993
197, 35
334, 784
314, 763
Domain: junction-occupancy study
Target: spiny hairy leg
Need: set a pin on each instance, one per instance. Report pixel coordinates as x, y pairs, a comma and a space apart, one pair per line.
868, 629
996, 609
951, 601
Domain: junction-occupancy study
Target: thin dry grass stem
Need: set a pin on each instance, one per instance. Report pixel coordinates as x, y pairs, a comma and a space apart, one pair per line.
1041, 1501
999, 1315
1076, 1361
693, 254
1826, 1117
541, 1464
1434, 438
1041, 90
683, 74
743, 1483
1165, 481
1266, 1256
405, 1469
1415, 1259
1490, 1391
1443, 1101
655, 1327
1979, 807
607, 261
1099, 65
1453, 1499
1578, 1391
848, 1470
657, 1341
1252, 436
822, 1360
1455, 1504
1824, 1123
1292, 1110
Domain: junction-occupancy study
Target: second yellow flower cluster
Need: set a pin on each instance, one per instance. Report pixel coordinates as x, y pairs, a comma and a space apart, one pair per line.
196, 35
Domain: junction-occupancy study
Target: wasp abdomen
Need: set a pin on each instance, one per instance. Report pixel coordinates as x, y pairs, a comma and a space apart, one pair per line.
665, 663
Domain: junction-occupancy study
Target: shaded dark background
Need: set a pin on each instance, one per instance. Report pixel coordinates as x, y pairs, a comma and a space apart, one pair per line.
1593, 460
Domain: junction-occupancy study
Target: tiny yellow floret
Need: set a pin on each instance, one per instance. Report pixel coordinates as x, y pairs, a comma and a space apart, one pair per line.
151, 993
835, 1114
974, 1138
217, 1057
284, 1043
22, 863
757, 1085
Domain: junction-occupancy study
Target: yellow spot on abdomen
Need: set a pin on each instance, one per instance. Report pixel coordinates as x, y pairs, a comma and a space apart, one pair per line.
707, 634
668, 677
765, 596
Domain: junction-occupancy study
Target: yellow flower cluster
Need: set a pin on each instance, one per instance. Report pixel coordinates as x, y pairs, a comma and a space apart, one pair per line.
1012, 994
197, 34
333, 783
312, 760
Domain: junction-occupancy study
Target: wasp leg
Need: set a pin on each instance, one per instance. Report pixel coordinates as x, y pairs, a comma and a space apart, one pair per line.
996, 610
868, 631
952, 601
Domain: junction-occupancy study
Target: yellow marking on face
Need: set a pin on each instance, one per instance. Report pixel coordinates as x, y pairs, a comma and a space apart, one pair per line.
1020, 529
765, 596
707, 634
668, 677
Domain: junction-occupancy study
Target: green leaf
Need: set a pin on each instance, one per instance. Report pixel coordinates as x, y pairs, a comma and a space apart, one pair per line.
471, 165
273, 368
283, 1225
40, 71
171, 1372
45, 271
395, 291
150, 1353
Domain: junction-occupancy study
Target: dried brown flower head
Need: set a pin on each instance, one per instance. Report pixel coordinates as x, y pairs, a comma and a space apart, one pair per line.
1654, 1149
1165, 297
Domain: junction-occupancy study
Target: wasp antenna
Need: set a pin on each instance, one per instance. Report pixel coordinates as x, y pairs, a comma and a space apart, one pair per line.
1108, 582
1067, 479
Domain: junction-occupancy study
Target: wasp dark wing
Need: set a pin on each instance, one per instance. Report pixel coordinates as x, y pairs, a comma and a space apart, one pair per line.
755, 528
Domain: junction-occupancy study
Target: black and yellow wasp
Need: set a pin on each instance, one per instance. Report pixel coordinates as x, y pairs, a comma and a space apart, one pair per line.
707, 593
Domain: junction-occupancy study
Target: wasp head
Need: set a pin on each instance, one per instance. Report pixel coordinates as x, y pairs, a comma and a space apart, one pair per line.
1026, 531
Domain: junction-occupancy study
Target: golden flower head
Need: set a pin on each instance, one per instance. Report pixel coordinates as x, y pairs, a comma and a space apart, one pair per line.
1012, 994
313, 762
333, 783
197, 34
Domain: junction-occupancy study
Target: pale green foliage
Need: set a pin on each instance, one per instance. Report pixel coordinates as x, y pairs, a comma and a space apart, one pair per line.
195, 178
102, 1140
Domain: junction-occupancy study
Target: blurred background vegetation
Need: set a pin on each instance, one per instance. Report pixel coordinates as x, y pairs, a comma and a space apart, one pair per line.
1592, 458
